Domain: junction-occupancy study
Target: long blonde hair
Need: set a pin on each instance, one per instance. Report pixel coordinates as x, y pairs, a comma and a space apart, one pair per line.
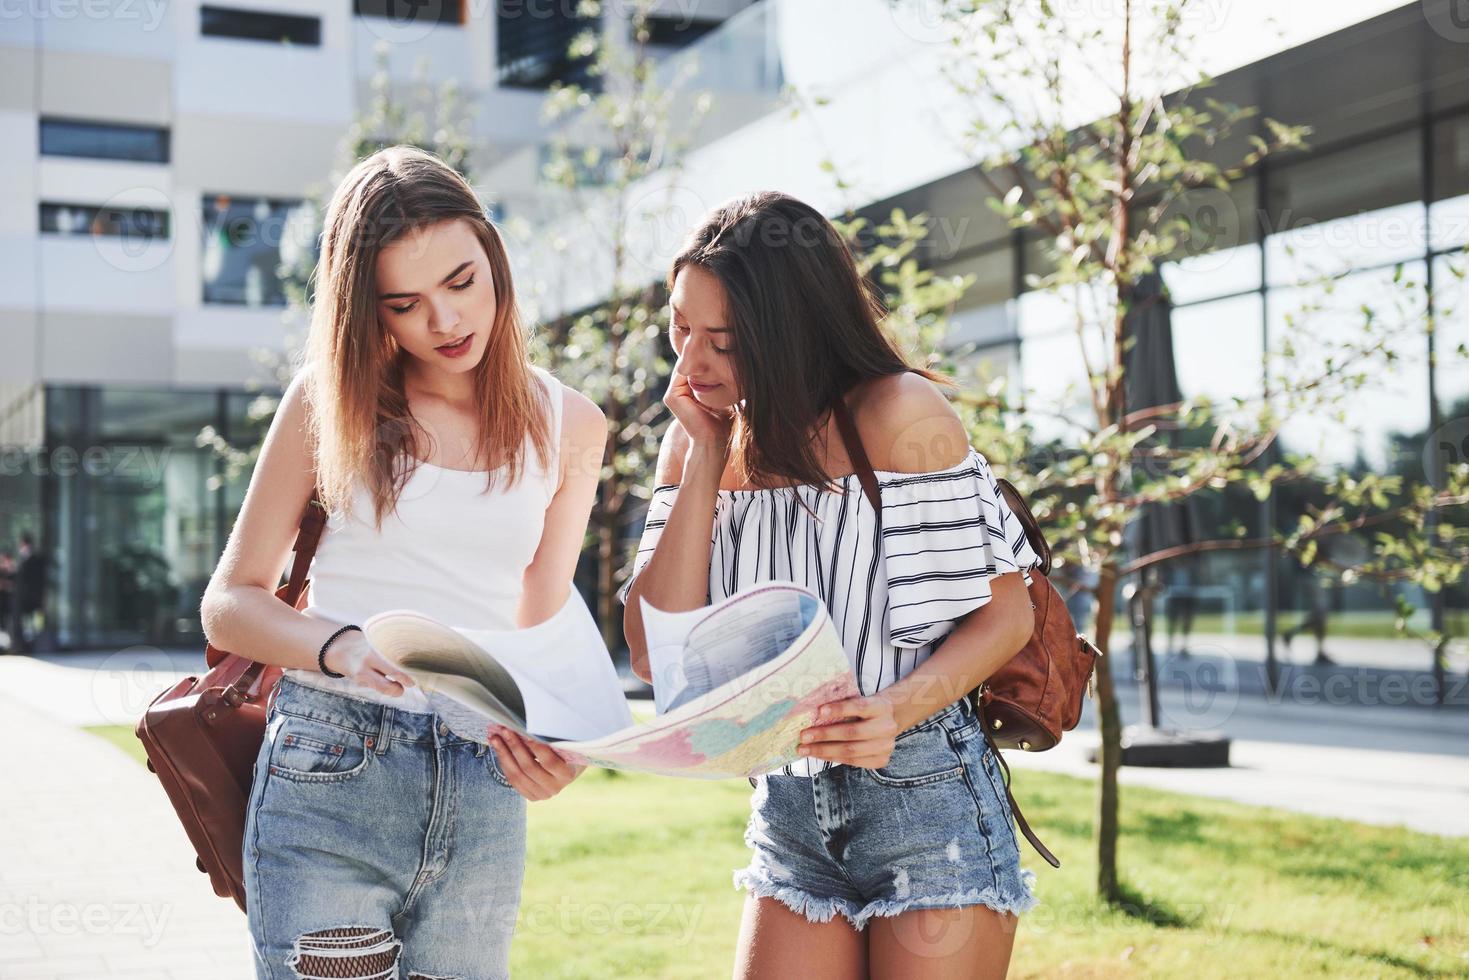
359, 423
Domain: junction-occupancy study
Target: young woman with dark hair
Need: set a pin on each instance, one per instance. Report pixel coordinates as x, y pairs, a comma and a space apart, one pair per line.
889, 849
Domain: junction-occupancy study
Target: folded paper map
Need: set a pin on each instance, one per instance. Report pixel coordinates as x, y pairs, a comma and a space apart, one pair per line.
734, 683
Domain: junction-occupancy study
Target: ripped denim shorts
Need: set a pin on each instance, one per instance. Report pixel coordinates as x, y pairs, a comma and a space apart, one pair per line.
378, 844
931, 829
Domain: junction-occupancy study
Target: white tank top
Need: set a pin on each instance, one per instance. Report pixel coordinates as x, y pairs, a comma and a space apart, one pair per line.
451, 551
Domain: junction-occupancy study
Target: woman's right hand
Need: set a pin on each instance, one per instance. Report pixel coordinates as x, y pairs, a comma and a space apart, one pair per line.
352, 655
708, 429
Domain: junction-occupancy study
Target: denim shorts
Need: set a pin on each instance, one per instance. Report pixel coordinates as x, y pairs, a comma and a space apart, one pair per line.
378, 826
931, 829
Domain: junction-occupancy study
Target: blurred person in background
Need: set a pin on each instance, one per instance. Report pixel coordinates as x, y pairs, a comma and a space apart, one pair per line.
9, 612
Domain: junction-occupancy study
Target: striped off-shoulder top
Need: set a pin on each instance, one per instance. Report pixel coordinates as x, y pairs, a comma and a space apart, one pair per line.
945, 534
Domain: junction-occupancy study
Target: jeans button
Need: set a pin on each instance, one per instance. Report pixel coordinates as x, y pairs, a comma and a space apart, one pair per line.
443, 728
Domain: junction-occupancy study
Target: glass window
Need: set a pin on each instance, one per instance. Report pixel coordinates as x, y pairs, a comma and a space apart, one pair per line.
153, 415
993, 270
980, 326
1448, 223
144, 224
1381, 424
1312, 251
1451, 348
1217, 352
103, 141
676, 30
135, 523
426, 11
244, 239
259, 25
1349, 209
533, 44
1451, 157
1211, 274
1053, 374
1218, 252
1366, 177
1451, 376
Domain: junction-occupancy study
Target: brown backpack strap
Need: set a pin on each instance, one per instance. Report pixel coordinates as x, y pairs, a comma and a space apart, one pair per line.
1020, 820
858, 455
313, 523
1033, 534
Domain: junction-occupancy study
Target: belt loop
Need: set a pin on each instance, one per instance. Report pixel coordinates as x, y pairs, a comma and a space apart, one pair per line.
384, 729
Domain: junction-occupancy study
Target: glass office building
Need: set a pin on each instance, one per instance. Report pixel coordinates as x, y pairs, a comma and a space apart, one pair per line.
1379, 205
129, 511
133, 513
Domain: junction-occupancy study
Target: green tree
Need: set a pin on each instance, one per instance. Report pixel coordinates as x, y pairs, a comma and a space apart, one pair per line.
1110, 200
611, 199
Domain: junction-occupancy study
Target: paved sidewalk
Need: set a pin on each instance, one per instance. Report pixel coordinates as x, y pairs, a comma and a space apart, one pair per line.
1423, 792
97, 878
1380, 653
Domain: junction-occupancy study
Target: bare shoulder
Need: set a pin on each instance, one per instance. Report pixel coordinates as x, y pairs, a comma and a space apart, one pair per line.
907, 424
290, 430
582, 420
671, 454
583, 433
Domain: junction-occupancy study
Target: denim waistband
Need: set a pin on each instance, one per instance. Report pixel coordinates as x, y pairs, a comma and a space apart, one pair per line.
388, 723
952, 714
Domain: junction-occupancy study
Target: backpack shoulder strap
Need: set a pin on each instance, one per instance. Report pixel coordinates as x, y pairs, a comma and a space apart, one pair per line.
1033, 534
312, 524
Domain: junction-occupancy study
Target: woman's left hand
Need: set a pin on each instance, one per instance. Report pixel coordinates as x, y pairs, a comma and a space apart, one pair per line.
865, 739
537, 771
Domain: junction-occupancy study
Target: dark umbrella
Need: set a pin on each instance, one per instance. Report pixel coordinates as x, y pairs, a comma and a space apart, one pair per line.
1151, 380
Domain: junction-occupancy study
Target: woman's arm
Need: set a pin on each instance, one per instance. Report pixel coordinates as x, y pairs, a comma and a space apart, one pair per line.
908, 426
694, 452
239, 610
547, 578
982, 642
535, 769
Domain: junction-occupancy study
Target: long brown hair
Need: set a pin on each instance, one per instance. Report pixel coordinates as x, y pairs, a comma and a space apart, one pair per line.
807, 328
360, 424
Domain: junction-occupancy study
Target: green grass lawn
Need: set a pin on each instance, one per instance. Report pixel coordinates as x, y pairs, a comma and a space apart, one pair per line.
629, 876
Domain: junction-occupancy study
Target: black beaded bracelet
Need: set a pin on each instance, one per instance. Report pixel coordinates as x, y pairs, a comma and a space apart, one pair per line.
321, 657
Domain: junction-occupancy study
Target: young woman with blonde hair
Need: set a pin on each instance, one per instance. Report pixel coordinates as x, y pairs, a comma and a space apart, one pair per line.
458, 480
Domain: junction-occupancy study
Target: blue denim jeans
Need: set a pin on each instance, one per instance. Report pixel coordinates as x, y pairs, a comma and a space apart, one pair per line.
378, 844
931, 829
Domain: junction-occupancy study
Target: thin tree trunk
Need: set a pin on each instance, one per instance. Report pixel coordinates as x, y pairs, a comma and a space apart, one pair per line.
1109, 754
1109, 722
606, 567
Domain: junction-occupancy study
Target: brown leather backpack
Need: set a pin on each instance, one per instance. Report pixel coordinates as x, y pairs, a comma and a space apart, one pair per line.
202, 736
1036, 695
